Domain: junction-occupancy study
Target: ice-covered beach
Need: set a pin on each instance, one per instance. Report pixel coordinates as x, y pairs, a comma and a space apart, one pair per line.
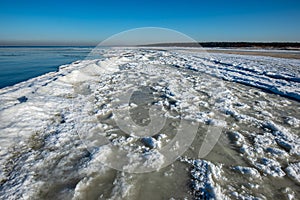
45, 155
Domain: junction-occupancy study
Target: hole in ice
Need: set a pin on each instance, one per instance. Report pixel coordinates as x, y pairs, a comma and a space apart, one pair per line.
22, 99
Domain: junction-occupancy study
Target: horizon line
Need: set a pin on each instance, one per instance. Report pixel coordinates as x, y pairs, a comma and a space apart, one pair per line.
278, 44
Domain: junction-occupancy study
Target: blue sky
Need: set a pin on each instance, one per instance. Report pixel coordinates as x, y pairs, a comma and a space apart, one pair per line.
93, 21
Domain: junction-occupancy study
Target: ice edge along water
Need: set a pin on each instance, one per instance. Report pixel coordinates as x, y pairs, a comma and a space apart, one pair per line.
40, 147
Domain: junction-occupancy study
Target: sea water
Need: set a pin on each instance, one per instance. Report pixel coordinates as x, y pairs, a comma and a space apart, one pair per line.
18, 64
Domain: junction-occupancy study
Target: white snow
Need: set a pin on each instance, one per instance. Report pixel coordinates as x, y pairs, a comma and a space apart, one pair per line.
204, 176
247, 170
293, 170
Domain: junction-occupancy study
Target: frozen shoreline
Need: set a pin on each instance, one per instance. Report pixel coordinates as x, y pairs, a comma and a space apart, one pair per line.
43, 155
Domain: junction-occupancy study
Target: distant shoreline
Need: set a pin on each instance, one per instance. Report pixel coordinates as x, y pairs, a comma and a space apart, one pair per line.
289, 54
250, 45
290, 50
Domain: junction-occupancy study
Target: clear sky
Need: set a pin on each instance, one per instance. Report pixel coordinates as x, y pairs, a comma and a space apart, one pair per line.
93, 21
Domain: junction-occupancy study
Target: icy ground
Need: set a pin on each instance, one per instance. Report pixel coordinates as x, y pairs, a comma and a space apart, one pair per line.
257, 156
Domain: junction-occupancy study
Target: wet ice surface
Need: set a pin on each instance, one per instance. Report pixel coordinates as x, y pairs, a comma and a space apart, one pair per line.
43, 122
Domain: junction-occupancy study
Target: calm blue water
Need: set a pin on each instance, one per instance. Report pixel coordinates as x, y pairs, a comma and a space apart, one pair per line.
18, 64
